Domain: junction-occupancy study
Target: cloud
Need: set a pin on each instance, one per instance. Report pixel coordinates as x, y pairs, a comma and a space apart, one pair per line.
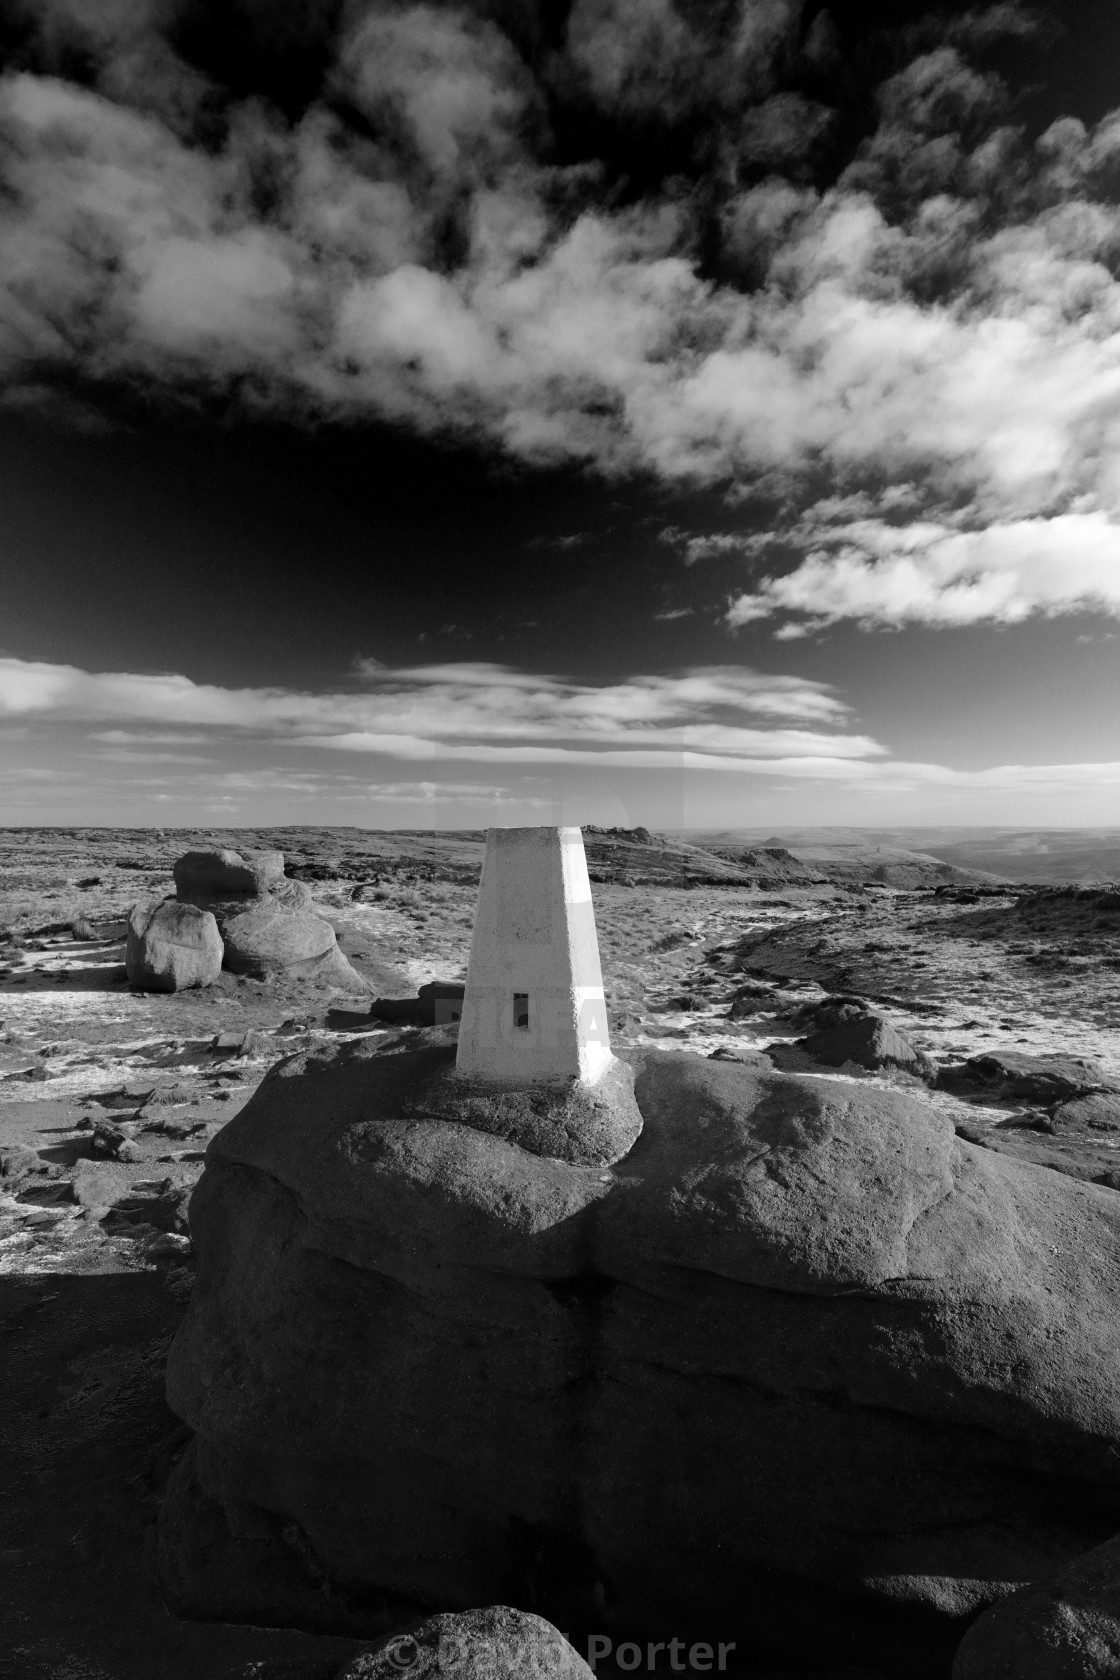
880, 574
446, 793
632, 242
696, 548
272, 750
470, 712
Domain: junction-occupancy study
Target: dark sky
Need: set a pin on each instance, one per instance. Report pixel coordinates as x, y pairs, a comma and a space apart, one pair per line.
450, 413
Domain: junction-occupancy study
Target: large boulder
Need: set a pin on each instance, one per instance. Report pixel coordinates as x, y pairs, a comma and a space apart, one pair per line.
802, 1369
216, 872
171, 946
266, 939
266, 922
497, 1643
1065, 1628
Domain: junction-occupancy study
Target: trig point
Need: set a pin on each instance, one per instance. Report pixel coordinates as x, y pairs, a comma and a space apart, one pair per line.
534, 1006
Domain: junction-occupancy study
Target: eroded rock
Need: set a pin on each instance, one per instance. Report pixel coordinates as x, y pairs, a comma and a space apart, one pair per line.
1009, 1075
869, 1370
869, 1041
1064, 1628
266, 922
589, 1125
496, 1643
216, 872
172, 946
268, 939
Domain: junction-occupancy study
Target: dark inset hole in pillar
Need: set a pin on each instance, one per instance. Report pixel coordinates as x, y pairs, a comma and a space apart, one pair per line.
521, 1009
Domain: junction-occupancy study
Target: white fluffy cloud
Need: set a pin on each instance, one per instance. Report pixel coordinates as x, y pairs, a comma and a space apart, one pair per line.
923, 573
944, 314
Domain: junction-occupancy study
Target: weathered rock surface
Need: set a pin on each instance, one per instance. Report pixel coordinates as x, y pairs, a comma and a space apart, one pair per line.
172, 946
590, 1126
1065, 1628
870, 1041
801, 1363
266, 937
1005, 1075
835, 1010
496, 1643
267, 922
1099, 1112
215, 872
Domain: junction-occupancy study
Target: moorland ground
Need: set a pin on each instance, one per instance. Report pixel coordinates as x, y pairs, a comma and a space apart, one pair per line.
109, 1096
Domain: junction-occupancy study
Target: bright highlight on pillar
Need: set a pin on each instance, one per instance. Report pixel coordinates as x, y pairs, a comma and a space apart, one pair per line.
534, 1006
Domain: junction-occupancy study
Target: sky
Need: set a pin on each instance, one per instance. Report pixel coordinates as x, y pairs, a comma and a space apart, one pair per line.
697, 413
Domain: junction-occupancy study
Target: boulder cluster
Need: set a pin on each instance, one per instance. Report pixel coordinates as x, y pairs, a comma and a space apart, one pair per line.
236, 912
790, 1363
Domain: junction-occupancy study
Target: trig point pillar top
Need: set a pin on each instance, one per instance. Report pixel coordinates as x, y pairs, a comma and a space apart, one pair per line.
534, 1006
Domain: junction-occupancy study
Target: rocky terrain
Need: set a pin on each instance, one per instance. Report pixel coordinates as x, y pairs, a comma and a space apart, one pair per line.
894, 970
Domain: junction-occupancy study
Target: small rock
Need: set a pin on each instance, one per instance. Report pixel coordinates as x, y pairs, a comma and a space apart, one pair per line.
834, 1011
41, 1218
32, 1075
496, 1643
869, 1041
733, 1053
250, 1043
165, 1245
113, 1142
99, 1185
174, 1126
163, 1096
157, 1206
17, 1162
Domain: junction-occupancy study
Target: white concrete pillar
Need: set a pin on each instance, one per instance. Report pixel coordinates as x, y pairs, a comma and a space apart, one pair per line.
534, 1006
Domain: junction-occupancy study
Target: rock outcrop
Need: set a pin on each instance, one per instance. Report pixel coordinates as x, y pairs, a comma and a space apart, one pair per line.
802, 1369
215, 872
267, 924
497, 1643
1065, 1628
1009, 1075
171, 946
1098, 1112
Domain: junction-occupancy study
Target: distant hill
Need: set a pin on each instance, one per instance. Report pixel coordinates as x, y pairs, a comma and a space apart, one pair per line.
1077, 856
709, 859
